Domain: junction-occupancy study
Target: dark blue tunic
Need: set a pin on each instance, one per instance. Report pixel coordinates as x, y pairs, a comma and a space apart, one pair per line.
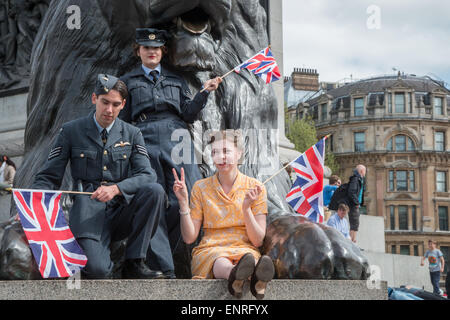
158, 109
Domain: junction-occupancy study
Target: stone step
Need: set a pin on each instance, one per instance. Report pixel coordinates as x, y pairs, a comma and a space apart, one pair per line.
186, 290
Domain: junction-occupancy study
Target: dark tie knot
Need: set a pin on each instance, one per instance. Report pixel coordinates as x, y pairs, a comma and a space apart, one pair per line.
104, 135
154, 75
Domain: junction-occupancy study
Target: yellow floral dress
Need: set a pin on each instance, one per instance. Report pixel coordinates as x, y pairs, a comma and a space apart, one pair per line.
224, 228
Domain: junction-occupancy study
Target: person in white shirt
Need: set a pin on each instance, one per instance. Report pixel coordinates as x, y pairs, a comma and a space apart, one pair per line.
338, 221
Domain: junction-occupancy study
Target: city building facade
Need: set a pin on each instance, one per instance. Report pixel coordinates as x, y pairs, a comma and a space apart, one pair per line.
398, 126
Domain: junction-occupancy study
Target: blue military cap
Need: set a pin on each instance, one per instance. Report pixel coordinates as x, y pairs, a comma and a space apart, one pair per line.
150, 37
105, 83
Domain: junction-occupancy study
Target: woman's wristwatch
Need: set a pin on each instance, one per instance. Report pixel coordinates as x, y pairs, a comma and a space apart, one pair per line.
185, 213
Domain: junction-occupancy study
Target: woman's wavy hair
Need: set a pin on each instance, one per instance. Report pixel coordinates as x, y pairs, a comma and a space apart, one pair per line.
234, 136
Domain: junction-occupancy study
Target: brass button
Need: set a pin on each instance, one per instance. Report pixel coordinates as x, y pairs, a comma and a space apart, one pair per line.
124, 156
105, 168
105, 152
82, 155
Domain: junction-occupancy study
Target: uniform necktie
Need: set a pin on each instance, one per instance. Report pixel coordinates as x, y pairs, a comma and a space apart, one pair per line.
104, 135
154, 76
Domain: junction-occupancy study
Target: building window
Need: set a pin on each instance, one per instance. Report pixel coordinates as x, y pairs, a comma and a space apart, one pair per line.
402, 180
360, 141
412, 181
439, 142
404, 249
403, 218
393, 249
392, 217
416, 250
391, 181
410, 103
414, 217
400, 103
441, 181
359, 106
400, 143
331, 143
389, 102
438, 110
324, 111
443, 218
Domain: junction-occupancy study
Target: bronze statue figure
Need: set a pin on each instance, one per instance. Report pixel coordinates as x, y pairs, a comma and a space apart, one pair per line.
209, 38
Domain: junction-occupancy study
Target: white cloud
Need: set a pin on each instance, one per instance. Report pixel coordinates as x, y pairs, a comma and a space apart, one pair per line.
333, 37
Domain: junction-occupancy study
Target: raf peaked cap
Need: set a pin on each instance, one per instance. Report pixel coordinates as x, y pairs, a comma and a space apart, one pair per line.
150, 37
104, 84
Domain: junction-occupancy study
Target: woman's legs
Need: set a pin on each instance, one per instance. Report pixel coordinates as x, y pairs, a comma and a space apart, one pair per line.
222, 268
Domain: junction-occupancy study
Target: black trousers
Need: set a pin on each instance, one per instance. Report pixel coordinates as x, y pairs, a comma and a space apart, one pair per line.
353, 218
137, 221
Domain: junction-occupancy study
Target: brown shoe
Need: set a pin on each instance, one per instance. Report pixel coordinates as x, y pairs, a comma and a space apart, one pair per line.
264, 272
241, 272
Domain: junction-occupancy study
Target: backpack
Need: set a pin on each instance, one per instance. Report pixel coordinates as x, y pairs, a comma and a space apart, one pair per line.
339, 196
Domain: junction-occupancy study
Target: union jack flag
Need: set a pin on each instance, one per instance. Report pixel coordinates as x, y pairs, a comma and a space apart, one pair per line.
57, 253
263, 65
306, 195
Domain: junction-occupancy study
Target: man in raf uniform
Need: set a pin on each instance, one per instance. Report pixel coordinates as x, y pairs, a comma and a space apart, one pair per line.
107, 157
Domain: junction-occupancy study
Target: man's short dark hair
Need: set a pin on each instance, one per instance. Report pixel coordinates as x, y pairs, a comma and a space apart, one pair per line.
121, 87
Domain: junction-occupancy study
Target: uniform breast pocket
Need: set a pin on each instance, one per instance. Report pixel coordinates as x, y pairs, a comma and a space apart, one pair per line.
140, 94
172, 92
83, 163
121, 162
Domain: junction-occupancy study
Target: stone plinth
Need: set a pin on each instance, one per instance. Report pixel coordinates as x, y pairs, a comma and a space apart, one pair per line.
370, 236
186, 290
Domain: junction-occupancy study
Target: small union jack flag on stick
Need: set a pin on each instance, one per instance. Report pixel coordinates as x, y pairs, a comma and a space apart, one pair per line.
306, 195
54, 247
263, 65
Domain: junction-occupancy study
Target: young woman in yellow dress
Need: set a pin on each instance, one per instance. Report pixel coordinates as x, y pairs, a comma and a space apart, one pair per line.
232, 208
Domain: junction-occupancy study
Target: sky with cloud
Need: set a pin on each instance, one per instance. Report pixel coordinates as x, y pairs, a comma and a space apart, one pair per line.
363, 38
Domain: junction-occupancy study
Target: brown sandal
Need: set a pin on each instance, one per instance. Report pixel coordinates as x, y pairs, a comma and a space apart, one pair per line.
264, 272
241, 272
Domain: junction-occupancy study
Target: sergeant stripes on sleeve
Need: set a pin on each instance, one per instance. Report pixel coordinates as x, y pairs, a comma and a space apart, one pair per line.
142, 150
55, 153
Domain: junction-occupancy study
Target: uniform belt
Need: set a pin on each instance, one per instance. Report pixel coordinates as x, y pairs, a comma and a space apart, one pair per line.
152, 116
83, 185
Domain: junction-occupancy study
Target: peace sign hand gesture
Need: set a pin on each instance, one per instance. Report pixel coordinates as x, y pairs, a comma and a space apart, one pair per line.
180, 189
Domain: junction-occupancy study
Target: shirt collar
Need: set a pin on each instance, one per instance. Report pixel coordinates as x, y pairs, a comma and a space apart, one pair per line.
148, 70
99, 127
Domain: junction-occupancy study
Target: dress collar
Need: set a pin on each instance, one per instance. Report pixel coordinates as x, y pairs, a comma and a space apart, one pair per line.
236, 185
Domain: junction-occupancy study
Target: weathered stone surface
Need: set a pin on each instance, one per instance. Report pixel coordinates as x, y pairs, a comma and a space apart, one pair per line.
186, 290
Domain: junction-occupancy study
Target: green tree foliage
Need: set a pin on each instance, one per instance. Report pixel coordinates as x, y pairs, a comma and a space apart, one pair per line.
302, 133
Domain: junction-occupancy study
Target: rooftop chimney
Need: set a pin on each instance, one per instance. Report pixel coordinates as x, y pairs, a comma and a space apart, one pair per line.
305, 79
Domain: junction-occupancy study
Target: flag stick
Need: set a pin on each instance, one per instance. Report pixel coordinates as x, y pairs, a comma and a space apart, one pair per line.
59, 191
228, 73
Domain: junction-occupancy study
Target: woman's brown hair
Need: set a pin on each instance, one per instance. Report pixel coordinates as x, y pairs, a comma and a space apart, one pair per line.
137, 46
234, 136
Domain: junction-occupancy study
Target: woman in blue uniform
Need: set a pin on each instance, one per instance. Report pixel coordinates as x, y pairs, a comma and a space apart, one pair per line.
159, 103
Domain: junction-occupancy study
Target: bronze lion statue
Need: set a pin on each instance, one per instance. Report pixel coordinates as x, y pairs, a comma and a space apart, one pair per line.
209, 38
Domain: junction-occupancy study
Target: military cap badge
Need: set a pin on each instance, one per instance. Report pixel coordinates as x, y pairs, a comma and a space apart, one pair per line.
105, 83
